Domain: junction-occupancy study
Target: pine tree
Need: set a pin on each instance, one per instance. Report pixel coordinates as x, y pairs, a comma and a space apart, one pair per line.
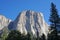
54, 19
43, 37
29, 36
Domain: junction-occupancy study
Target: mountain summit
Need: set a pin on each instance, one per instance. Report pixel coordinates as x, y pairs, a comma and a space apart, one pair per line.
29, 21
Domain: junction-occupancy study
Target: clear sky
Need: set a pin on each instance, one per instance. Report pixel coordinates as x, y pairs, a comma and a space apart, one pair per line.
11, 8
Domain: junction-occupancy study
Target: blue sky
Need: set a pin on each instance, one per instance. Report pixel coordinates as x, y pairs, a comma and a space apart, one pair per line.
11, 8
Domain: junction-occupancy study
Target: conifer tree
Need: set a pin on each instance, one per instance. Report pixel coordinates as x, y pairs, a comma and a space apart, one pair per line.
54, 19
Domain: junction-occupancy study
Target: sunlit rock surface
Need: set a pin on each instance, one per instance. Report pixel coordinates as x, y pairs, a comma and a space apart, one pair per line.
30, 21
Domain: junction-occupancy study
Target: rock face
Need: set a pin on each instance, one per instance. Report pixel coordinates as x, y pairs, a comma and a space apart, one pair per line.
30, 21
4, 22
27, 21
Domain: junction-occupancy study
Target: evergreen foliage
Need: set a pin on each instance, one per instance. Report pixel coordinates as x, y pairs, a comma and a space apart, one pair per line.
15, 35
54, 19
